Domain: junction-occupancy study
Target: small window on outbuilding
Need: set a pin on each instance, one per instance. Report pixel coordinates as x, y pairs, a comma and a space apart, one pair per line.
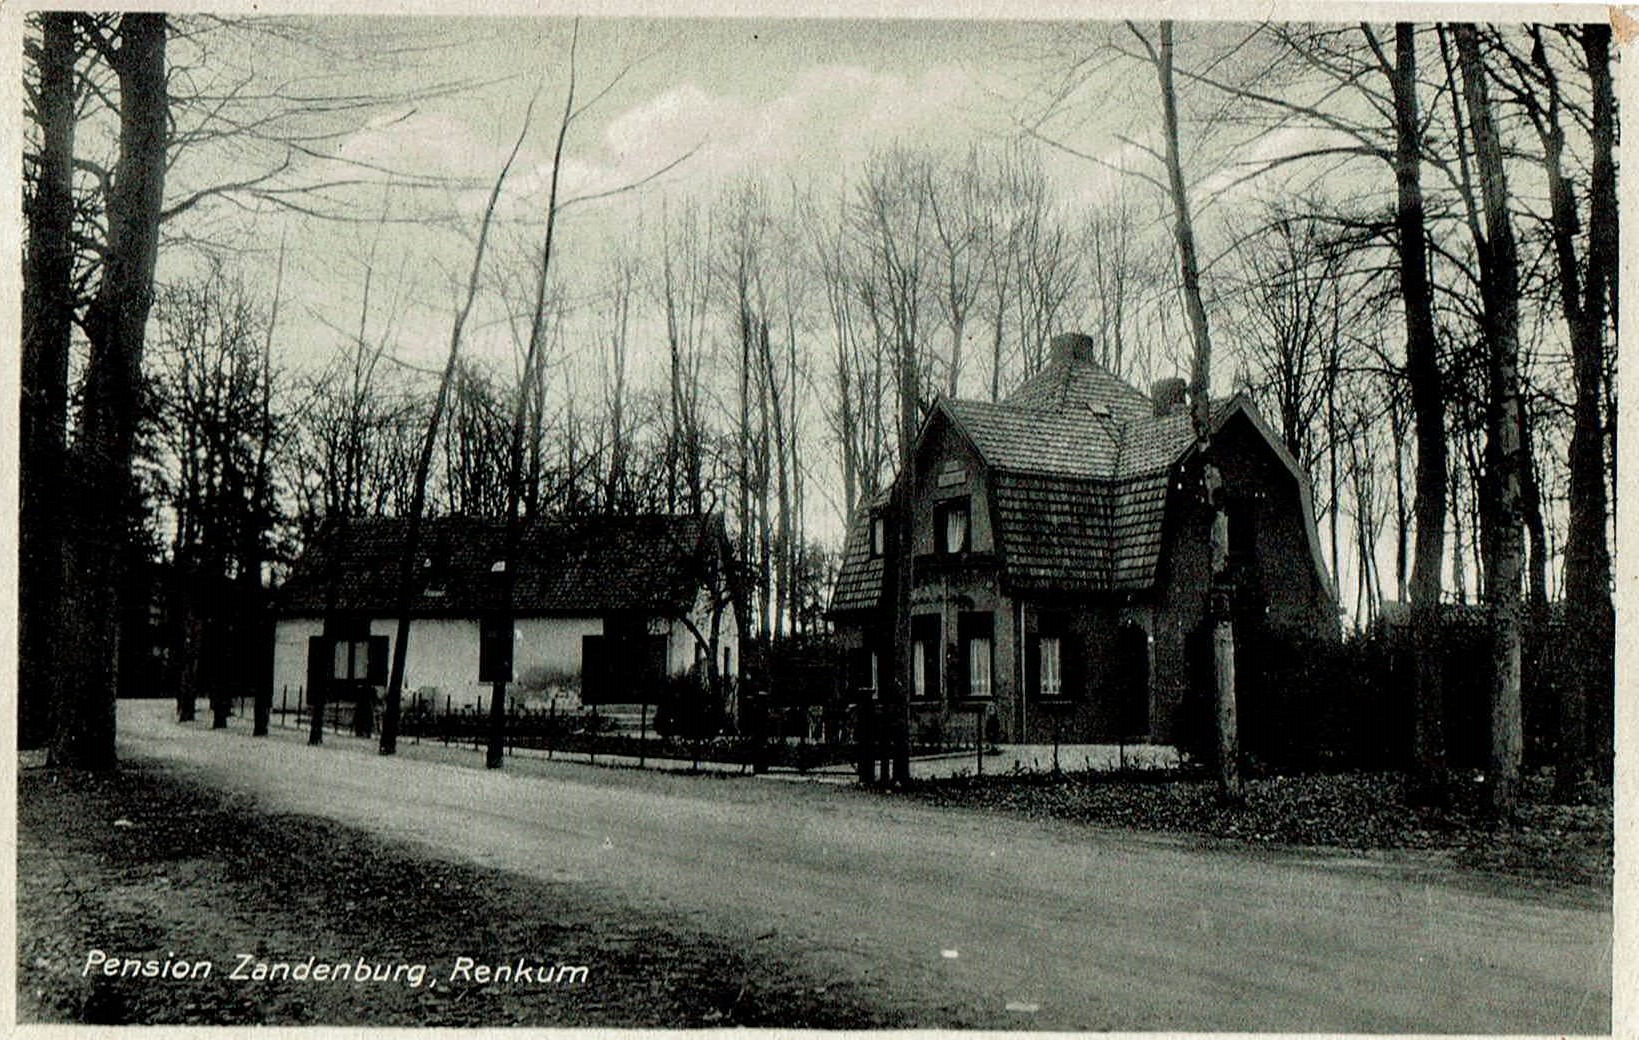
355, 655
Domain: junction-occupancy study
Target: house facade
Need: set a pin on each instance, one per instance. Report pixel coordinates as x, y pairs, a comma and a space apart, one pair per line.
1059, 559
604, 610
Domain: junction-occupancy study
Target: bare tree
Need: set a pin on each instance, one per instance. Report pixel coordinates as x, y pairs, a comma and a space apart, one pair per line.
212, 396
48, 327
1218, 607
1499, 261
410, 552
1586, 286
115, 325
959, 202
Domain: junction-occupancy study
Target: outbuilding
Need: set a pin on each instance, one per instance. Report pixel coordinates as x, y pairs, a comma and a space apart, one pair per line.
604, 609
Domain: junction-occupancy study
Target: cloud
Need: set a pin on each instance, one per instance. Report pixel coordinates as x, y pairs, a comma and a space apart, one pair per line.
424, 143
828, 119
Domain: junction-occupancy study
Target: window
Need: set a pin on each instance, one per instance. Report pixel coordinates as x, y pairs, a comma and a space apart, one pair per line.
352, 660
879, 534
435, 570
1051, 662
951, 526
925, 647
353, 654
975, 631
978, 666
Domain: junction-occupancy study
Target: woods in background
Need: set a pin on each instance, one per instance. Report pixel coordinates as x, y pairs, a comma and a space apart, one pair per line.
1414, 277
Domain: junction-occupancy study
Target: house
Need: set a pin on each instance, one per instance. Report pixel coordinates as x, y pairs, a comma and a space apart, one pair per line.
604, 609
1059, 559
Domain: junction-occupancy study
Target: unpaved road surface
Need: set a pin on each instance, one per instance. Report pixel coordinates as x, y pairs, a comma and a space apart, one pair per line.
963, 918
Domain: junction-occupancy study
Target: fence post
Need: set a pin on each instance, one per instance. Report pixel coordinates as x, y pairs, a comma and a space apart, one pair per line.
643, 736
979, 737
284, 702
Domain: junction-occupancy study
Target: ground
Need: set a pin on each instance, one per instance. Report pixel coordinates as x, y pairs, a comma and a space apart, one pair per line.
144, 864
770, 903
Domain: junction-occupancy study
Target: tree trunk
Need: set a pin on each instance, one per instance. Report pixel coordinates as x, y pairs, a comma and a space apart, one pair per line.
103, 492
1589, 617
418, 490
48, 322
1220, 597
1428, 416
1499, 276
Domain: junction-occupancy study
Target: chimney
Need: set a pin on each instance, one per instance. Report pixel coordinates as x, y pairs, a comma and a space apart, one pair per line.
1169, 395
1073, 346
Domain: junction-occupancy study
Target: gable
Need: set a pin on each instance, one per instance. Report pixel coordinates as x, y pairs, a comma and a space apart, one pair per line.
1080, 469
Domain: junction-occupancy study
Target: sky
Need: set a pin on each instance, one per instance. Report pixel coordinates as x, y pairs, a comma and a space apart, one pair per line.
788, 102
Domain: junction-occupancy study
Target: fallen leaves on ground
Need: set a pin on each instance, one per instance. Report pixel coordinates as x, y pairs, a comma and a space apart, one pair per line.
143, 864
1541, 842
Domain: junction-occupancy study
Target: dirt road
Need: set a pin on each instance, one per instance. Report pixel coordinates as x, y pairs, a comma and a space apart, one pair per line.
965, 918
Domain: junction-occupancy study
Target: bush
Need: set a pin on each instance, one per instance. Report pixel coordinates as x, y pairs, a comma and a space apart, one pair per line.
688, 709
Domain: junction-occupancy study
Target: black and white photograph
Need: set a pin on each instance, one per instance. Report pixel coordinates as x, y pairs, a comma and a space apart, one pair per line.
828, 517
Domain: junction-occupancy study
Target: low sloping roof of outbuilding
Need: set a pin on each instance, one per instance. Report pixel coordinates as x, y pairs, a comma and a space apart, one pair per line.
580, 565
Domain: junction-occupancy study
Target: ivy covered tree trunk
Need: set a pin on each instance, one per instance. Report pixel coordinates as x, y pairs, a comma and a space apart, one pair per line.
101, 487
48, 321
1220, 596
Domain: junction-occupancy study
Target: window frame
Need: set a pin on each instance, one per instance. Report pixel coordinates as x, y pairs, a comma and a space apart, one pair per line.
1050, 681
877, 536
926, 653
943, 512
974, 628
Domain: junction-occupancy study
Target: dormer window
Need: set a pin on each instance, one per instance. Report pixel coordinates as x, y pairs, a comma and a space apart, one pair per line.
879, 535
951, 526
435, 574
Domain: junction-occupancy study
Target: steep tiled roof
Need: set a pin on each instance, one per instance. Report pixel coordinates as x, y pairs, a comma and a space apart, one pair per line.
589, 564
1079, 469
1052, 531
1079, 495
1139, 508
859, 579
1070, 385
1076, 443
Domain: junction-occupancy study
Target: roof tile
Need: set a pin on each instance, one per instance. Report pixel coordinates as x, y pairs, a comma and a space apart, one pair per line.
585, 564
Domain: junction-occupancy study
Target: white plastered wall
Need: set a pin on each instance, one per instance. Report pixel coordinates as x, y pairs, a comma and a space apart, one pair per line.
443, 656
